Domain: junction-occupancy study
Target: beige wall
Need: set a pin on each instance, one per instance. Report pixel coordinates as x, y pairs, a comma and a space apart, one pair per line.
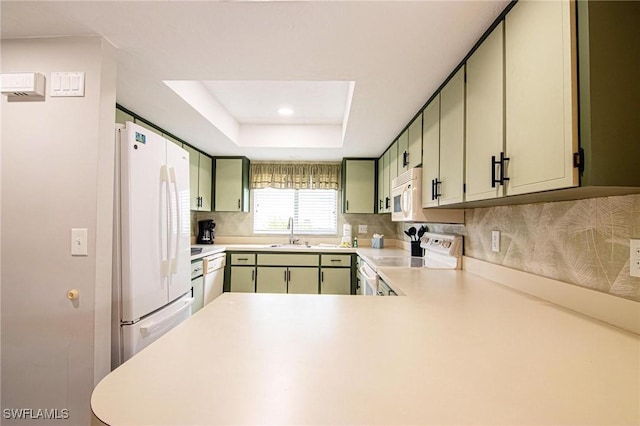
583, 242
57, 174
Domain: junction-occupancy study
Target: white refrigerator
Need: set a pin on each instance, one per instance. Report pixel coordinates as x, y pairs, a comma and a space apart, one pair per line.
152, 271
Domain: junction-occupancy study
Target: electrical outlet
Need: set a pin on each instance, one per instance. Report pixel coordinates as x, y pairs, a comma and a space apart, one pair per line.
495, 241
362, 229
634, 258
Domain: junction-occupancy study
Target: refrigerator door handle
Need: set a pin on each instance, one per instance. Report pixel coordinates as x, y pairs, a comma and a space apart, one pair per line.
175, 215
164, 177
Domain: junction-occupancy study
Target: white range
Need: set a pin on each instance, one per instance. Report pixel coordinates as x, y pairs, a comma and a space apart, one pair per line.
441, 251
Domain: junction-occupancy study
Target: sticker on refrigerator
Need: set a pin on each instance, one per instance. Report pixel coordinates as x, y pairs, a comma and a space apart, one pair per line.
141, 138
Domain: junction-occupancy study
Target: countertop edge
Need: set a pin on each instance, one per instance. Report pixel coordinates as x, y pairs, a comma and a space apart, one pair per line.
617, 311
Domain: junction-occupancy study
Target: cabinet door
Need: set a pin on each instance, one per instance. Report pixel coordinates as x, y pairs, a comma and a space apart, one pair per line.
380, 205
194, 176
393, 164
540, 78
415, 142
303, 281
271, 280
335, 281
228, 183
386, 182
204, 181
243, 279
430, 151
197, 291
359, 186
452, 140
403, 152
485, 117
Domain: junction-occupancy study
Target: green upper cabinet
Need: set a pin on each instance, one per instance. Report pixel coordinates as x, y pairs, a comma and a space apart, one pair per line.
403, 152
393, 163
386, 182
231, 184
122, 117
451, 189
200, 168
415, 142
359, 183
431, 153
380, 207
540, 80
485, 118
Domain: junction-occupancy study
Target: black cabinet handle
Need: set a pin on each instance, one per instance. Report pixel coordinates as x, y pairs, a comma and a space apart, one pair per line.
494, 164
387, 202
322, 276
405, 159
434, 191
380, 204
347, 205
253, 275
238, 204
498, 163
503, 159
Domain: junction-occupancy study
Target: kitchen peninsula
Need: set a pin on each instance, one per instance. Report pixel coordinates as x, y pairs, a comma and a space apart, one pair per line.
457, 349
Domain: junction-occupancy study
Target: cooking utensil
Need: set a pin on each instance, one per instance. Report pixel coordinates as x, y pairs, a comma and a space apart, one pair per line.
421, 231
412, 233
407, 234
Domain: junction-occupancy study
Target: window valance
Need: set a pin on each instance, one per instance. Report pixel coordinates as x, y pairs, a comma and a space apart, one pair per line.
295, 175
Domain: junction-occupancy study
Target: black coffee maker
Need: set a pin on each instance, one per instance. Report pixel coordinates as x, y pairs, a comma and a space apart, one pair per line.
206, 231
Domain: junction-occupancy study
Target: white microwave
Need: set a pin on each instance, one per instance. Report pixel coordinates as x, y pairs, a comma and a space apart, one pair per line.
406, 197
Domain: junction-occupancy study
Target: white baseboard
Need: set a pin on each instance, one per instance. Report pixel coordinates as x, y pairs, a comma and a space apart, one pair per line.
617, 311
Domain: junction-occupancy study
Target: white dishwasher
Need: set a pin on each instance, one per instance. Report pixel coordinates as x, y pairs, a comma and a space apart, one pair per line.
213, 276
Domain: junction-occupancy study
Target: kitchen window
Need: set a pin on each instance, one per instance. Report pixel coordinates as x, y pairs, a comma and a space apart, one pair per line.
314, 211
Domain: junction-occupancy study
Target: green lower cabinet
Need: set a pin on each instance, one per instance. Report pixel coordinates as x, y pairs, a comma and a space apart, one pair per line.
271, 279
281, 279
243, 279
335, 280
303, 281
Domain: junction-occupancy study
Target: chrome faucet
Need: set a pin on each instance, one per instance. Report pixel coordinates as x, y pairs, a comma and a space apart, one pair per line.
292, 239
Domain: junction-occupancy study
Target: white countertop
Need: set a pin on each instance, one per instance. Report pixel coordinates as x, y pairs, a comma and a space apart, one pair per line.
458, 349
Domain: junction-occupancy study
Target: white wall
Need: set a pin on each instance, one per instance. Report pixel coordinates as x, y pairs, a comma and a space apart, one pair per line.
57, 174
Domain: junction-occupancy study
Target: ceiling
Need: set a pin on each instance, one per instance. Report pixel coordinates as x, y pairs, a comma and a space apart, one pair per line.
248, 55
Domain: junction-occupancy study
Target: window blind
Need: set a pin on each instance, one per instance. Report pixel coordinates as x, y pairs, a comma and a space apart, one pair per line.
314, 211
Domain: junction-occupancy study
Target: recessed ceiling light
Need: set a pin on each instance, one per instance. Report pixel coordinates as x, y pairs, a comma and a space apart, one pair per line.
285, 111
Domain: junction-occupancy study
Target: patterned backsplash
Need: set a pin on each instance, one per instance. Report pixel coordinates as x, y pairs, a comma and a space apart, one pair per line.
241, 224
584, 242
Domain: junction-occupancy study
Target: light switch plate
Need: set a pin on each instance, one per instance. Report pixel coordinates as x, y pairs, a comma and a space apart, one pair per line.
67, 84
362, 229
79, 242
495, 241
634, 258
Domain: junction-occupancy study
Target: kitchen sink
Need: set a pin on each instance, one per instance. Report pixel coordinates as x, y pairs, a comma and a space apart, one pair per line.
304, 246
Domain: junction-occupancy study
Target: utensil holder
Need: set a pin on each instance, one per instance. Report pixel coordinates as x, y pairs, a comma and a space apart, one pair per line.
416, 250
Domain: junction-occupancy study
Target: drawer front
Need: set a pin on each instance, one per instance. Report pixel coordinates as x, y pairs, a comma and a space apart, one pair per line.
196, 268
343, 260
288, 259
243, 258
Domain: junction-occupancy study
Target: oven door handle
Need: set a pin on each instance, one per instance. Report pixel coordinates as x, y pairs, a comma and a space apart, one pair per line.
362, 271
